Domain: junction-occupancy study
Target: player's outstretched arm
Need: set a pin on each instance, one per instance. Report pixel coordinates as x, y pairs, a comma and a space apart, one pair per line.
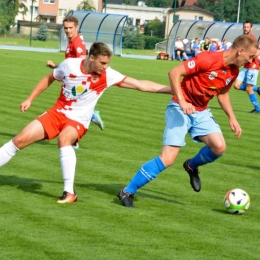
42, 85
51, 64
145, 86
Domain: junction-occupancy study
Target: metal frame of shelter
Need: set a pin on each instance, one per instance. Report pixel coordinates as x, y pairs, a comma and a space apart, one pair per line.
102, 27
190, 29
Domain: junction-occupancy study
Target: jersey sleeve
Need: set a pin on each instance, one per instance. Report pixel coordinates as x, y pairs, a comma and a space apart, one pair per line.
114, 77
58, 73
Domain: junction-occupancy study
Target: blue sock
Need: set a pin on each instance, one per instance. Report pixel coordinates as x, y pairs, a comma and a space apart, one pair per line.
146, 173
204, 156
255, 88
254, 101
93, 117
242, 87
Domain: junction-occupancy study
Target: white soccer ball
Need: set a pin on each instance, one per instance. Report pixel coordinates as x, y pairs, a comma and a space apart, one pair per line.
237, 201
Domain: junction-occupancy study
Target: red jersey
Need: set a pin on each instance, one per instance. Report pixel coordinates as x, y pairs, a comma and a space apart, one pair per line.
207, 76
76, 48
255, 63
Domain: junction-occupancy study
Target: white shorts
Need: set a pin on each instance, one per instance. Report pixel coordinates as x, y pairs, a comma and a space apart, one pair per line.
178, 125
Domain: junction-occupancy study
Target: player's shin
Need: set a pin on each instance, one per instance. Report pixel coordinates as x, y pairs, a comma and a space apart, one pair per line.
68, 166
204, 156
146, 173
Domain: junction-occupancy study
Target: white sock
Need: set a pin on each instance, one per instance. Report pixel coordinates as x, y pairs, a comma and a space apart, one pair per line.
68, 167
7, 152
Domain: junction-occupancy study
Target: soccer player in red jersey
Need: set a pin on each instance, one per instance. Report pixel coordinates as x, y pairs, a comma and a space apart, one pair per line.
206, 75
83, 83
76, 48
247, 77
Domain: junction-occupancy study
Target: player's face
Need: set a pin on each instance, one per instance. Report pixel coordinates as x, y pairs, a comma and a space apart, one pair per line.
100, 63
247, 28
70, 29
245, 56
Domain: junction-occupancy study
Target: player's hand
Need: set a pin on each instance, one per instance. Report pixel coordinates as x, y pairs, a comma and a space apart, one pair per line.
25, 105
186, 107
50, 64
235, 127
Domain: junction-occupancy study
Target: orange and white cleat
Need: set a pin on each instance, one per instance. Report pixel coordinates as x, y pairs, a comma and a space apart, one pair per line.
67, 197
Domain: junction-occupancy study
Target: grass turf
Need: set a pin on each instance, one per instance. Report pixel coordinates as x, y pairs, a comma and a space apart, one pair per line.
170, 220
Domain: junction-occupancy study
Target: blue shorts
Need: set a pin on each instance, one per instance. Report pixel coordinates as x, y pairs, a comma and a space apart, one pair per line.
248, 76
178, 125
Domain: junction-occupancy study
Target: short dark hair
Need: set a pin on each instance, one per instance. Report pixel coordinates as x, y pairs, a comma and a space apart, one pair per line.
248, 21
100, 48
72, 19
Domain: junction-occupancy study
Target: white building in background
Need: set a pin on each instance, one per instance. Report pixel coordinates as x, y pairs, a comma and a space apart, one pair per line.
138, 15
52, 11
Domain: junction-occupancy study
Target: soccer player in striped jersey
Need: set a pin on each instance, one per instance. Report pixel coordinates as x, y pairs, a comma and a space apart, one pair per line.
76, 48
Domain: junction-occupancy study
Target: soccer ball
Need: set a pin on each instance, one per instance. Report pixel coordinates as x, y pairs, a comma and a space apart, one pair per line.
237, 201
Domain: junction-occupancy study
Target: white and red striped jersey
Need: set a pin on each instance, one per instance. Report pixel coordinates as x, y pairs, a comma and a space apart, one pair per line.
80, 91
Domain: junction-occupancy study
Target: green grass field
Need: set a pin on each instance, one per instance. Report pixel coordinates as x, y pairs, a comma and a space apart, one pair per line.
170, 221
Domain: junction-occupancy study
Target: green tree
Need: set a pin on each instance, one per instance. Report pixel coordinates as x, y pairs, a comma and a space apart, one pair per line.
9, 9
219, 11
248, 9
251, 11
133, 40
159, 3
155, 28
86, 5
42, 33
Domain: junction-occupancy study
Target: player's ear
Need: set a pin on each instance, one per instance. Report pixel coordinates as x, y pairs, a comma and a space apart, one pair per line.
240, 51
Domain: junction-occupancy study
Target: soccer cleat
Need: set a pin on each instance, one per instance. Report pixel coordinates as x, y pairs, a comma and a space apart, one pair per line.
98, 120
67, 197
75, 146
254, 111
194, 176
126, 198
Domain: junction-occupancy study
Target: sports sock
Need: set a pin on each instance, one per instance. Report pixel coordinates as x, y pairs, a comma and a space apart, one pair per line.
68, 166
204, 156
255, 88
254, 101
93, 117
242, 87
146, 173
7, 152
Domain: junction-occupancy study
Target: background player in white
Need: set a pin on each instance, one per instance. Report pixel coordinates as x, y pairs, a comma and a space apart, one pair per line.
83, 83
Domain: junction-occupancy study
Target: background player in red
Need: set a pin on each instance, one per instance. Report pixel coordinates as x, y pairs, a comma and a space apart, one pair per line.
206, 75
83, 83
76, 48
247, 77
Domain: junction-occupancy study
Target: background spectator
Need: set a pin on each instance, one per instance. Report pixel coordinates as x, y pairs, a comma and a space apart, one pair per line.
195, 47
179, 49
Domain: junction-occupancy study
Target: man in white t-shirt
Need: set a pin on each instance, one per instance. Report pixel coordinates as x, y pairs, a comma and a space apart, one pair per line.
83, 83
179, 49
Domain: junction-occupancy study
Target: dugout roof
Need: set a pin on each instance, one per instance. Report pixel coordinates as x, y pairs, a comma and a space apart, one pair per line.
102, 27
190, 29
